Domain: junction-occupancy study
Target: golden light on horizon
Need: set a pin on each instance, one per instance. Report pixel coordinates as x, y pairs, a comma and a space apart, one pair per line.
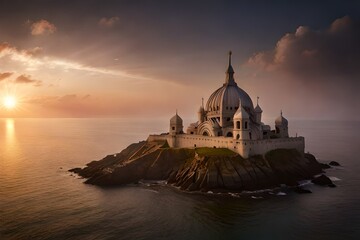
9, 102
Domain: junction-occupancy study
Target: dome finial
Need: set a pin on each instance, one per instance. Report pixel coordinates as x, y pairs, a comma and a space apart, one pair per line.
230, 53
230, 73
257, 100
281, 112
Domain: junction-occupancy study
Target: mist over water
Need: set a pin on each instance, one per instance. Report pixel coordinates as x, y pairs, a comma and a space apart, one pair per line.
39, 199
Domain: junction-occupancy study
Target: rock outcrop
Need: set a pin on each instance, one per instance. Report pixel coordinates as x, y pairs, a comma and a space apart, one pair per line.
200, 169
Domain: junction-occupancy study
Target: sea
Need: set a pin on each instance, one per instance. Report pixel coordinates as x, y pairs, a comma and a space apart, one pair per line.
40, 199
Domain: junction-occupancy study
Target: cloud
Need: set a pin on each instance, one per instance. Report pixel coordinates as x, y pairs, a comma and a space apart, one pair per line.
5, 75
331, 52
316, 71
108, 22
42, 27
27, 79
33, 59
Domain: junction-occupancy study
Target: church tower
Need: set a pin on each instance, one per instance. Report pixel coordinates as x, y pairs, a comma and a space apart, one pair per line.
241, 124
176, 125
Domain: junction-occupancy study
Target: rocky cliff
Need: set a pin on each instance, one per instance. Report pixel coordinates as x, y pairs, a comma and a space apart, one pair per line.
200, 169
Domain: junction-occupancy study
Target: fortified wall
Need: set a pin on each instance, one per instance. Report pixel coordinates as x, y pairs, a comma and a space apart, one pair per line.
244, 148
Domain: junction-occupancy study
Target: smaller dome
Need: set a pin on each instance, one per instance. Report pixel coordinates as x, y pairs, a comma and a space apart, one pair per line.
258, 109
241, 112
176, 119
281, 120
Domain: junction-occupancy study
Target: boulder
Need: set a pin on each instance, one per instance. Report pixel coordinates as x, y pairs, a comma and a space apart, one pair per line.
334, 163
323, 180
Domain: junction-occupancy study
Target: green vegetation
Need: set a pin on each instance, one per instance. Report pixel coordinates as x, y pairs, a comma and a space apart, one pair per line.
205, 151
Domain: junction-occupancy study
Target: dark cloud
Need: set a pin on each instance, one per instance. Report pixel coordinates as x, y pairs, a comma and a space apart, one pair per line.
316, 71
26, 79
307, 53
5, 75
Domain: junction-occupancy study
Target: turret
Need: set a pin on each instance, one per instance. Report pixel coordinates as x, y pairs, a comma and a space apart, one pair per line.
281, 126
258, 112
241, 124
201, 112
176, 125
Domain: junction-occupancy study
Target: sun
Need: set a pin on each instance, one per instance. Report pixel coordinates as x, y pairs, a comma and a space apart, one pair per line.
9, 102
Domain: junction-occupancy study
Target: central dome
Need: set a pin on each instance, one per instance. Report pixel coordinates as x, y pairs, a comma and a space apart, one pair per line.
227, 97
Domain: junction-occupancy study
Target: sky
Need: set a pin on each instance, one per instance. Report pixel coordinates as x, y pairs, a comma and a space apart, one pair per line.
145, 59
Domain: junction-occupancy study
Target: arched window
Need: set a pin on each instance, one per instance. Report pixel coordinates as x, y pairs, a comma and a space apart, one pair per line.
238, 136
250, 135
238, 124
205, 134
246, 125
229, 134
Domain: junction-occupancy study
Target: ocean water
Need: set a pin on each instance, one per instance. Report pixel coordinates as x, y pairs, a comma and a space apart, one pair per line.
40, 199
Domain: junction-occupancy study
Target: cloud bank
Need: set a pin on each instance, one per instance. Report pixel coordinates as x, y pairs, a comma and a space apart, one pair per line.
332, 52
313, 72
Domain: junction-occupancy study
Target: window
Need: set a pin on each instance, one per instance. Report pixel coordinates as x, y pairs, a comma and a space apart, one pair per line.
173, 128
238, 124
192, 133
238, 136
246, 125
277, 130
230, 108
228, 119
250, 135
229, 134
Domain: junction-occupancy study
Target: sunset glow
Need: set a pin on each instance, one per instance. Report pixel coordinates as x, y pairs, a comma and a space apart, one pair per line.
115, 63
9, 102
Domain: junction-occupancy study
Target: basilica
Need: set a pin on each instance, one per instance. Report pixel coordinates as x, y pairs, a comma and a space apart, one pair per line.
230, 120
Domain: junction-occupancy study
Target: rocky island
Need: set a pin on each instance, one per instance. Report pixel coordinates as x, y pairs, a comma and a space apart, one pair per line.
201, 169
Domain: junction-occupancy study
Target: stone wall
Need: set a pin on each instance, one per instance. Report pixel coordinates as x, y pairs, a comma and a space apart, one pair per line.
245, 148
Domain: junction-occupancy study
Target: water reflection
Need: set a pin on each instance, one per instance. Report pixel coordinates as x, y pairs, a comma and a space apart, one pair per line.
10, 143
9, 131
